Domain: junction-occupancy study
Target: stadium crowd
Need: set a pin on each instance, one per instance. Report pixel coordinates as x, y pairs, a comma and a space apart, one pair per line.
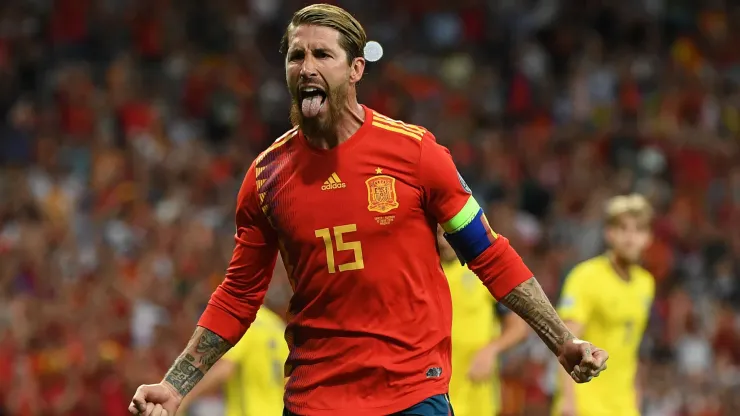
126, 128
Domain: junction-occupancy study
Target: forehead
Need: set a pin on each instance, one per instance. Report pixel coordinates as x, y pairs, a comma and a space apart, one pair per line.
313, 37
631, 219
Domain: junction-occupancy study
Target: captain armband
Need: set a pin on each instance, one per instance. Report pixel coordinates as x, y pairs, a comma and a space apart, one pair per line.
468, 232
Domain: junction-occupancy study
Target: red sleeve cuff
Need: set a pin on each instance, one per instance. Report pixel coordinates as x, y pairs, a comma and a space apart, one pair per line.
500, 268
222, 323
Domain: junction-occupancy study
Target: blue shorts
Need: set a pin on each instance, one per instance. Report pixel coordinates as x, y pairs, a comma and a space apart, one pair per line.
438, 405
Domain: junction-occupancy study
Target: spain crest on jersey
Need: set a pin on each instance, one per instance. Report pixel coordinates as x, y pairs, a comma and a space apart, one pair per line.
381, 193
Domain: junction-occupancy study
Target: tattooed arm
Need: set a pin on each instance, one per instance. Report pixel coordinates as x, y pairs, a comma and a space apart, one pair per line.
581, 359
231, 308
529, 301
203, 350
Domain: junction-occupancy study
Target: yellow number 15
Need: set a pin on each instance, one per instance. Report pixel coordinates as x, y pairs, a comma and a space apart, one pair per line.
341, 245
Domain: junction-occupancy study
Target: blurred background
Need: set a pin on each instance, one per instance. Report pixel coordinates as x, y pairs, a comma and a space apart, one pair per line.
126, 127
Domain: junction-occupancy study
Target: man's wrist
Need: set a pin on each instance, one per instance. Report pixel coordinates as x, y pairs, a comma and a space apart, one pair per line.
172, 389
567, 338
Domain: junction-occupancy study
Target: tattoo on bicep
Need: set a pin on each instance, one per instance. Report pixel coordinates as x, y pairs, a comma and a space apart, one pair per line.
188, 370
529, 301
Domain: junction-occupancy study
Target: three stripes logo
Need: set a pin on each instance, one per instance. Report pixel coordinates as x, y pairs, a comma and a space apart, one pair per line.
333, 183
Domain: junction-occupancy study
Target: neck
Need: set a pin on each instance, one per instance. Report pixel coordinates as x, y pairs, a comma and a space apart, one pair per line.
349, 120
620, 264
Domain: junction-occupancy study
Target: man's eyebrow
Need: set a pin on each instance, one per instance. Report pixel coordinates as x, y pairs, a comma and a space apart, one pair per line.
316, 49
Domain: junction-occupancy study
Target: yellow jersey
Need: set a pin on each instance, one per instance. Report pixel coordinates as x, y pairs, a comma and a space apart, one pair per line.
613, 313
474, 325
256, 389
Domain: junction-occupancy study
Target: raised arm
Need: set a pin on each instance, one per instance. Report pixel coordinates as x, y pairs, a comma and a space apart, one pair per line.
449, 200
230, 311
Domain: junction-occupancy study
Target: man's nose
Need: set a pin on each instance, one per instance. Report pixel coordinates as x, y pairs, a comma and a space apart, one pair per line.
308, 69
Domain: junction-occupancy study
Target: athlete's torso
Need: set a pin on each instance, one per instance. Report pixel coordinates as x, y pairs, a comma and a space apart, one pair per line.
370, 319
617, 317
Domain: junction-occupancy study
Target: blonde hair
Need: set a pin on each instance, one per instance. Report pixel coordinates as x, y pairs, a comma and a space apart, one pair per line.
634, 205
352, 35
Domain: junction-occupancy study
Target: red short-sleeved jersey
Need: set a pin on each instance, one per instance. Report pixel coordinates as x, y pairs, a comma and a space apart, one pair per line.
370, 320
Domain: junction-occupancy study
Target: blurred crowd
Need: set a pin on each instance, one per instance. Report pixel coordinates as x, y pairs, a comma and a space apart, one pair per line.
126, 127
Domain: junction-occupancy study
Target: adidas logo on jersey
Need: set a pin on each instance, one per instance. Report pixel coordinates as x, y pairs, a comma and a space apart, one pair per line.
333, 183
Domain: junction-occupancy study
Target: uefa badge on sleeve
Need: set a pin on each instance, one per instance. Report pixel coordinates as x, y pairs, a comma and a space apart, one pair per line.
462, 182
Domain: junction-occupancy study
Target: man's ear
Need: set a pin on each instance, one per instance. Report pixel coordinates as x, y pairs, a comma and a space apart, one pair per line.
357, 69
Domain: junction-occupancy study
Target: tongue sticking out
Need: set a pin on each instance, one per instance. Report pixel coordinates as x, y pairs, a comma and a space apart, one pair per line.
310, 106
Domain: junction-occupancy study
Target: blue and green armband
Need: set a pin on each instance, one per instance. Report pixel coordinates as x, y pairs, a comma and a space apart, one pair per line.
468, 232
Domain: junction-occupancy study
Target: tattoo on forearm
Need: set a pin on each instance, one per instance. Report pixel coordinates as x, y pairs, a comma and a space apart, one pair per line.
211, 346
184, 375
188, 370
529, 301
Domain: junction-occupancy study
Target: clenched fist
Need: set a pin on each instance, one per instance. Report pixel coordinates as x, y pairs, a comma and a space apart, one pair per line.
155, 400
582, 360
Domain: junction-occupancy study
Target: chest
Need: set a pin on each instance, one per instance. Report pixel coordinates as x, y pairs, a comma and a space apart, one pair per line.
334, 201
623, 302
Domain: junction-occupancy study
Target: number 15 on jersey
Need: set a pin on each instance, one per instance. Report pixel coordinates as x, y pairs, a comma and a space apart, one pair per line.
334, 239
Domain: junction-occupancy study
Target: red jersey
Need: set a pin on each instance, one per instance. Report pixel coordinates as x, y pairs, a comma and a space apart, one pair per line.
370, 319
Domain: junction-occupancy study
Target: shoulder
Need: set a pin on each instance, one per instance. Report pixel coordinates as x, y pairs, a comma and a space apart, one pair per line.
264, 165
399, 130
645, 278
274, 149
587, 268
409, 146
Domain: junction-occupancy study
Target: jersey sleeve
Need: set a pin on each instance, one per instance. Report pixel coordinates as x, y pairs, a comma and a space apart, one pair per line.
233, 306
445, 191
448, 199
575, 302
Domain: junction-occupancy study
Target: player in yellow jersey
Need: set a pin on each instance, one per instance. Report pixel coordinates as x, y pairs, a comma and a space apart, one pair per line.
481, 330
607, 300
251, 373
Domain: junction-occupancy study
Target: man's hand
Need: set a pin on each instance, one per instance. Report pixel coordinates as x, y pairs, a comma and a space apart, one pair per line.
582, 360
481, 368
163, 399
155, 400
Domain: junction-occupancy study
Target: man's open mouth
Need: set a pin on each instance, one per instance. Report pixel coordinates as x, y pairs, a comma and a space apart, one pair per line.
311, 99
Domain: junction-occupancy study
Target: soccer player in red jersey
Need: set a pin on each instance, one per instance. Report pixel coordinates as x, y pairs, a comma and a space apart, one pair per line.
351, 200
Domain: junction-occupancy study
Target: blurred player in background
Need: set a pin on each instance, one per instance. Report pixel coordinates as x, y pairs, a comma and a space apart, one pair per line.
351, 200
479, 335
251, 374
607, 299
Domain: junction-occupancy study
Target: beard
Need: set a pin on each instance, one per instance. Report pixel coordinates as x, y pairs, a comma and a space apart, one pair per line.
322, 123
